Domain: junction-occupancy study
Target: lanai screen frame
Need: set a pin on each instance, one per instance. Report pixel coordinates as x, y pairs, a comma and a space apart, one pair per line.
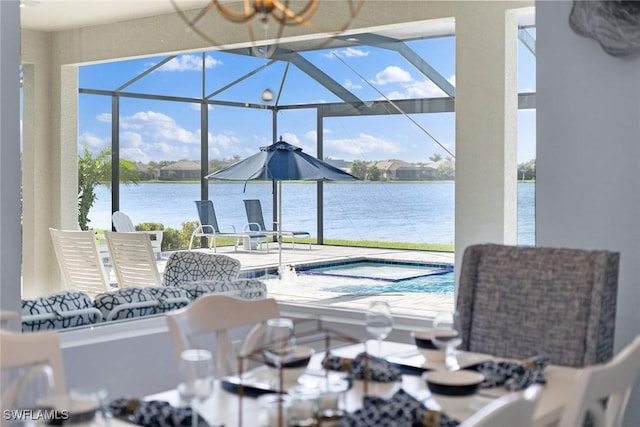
351, 107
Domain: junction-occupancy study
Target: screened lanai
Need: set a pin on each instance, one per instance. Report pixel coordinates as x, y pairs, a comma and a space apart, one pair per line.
320, 95
485, 51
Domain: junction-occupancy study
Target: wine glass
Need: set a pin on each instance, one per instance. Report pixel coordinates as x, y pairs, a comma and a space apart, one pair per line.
196, 375
280, 345
447, 336
379, 321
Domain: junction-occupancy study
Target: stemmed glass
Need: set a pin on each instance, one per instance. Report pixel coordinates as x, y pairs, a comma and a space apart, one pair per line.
280, 345
197, 378
379, 321
447, 336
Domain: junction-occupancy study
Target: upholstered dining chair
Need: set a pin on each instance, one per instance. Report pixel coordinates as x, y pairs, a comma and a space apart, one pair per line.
28, 351
217, 314
611, 382
514, 409
518, 302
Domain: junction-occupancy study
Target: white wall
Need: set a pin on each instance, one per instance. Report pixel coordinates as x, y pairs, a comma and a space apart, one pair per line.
588, 157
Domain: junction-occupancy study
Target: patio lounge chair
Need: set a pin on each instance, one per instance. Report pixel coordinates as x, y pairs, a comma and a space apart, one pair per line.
123, 224
208, 227
255, 220
80, 261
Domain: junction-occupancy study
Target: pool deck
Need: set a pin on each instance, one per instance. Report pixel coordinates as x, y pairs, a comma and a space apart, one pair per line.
291, 291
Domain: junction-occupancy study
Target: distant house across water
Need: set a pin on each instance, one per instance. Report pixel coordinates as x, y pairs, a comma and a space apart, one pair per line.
184, 170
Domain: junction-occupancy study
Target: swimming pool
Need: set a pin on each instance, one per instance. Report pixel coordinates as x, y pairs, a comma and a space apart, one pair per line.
373, 276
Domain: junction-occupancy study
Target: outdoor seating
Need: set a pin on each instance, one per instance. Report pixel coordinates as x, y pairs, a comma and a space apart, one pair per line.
218, 314
123, 224
255, 219
190, 266
208, 228
513, 302
80, 261
201, 273
133, 261
61, 310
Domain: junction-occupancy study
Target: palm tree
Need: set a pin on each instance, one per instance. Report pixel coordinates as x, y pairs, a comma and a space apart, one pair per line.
93, 171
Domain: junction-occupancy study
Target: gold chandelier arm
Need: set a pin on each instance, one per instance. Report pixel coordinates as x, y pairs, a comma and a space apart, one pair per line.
288, 16
232, 15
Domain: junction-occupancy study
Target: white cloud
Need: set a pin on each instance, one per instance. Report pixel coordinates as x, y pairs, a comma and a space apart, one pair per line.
392, 74
189, 63
349, 52
93, 142
364, 146
348, 84
104, 117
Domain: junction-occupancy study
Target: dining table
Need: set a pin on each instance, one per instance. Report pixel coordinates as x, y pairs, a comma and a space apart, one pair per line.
227, 407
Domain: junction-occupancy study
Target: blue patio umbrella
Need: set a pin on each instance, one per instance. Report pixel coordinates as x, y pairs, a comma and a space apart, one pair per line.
279, 162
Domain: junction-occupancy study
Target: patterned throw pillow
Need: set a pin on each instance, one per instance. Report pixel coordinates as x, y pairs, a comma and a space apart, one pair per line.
126, 303
189, 266
170, 297
61, 305
245, 288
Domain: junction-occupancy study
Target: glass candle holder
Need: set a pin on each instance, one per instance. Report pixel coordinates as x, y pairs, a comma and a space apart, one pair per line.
274, 410
304, 406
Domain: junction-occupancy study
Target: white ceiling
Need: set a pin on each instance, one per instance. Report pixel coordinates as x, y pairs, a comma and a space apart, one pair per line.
56, 15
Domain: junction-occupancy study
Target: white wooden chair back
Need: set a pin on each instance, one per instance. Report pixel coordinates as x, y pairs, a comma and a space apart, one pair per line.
612, 381
122, 223
29, 350
80, 261
219, 313
515, 409
133, 261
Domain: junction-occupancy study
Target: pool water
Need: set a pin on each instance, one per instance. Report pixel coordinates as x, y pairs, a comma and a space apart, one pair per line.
440, 284
375, 277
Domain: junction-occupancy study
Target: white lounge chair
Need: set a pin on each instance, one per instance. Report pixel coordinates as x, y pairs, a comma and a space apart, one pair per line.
123, 224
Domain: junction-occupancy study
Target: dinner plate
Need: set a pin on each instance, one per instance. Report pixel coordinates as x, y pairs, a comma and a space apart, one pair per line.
259, 381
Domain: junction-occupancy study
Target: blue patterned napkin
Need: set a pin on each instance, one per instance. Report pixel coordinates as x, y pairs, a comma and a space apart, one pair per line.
401, 410
378, 369
513, 375
153, 413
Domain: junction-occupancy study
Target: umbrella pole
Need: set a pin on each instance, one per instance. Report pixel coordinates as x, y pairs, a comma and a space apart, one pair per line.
279, 199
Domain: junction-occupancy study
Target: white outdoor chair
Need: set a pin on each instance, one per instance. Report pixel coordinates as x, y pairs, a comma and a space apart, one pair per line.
123, 224
80, 261
602, 391
29, 351
133, 261
514, 409
218, 314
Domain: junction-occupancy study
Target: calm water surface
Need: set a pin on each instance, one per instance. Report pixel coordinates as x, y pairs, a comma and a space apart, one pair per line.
414, 212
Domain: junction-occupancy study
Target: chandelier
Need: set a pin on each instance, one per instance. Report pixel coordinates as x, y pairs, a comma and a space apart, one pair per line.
265, 13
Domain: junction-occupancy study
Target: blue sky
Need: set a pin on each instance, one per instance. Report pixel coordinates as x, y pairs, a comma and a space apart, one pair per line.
154, 130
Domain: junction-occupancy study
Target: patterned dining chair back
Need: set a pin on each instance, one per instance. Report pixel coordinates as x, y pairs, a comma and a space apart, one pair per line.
517, 302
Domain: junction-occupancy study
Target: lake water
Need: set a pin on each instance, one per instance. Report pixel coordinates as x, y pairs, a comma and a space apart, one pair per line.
413, 212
